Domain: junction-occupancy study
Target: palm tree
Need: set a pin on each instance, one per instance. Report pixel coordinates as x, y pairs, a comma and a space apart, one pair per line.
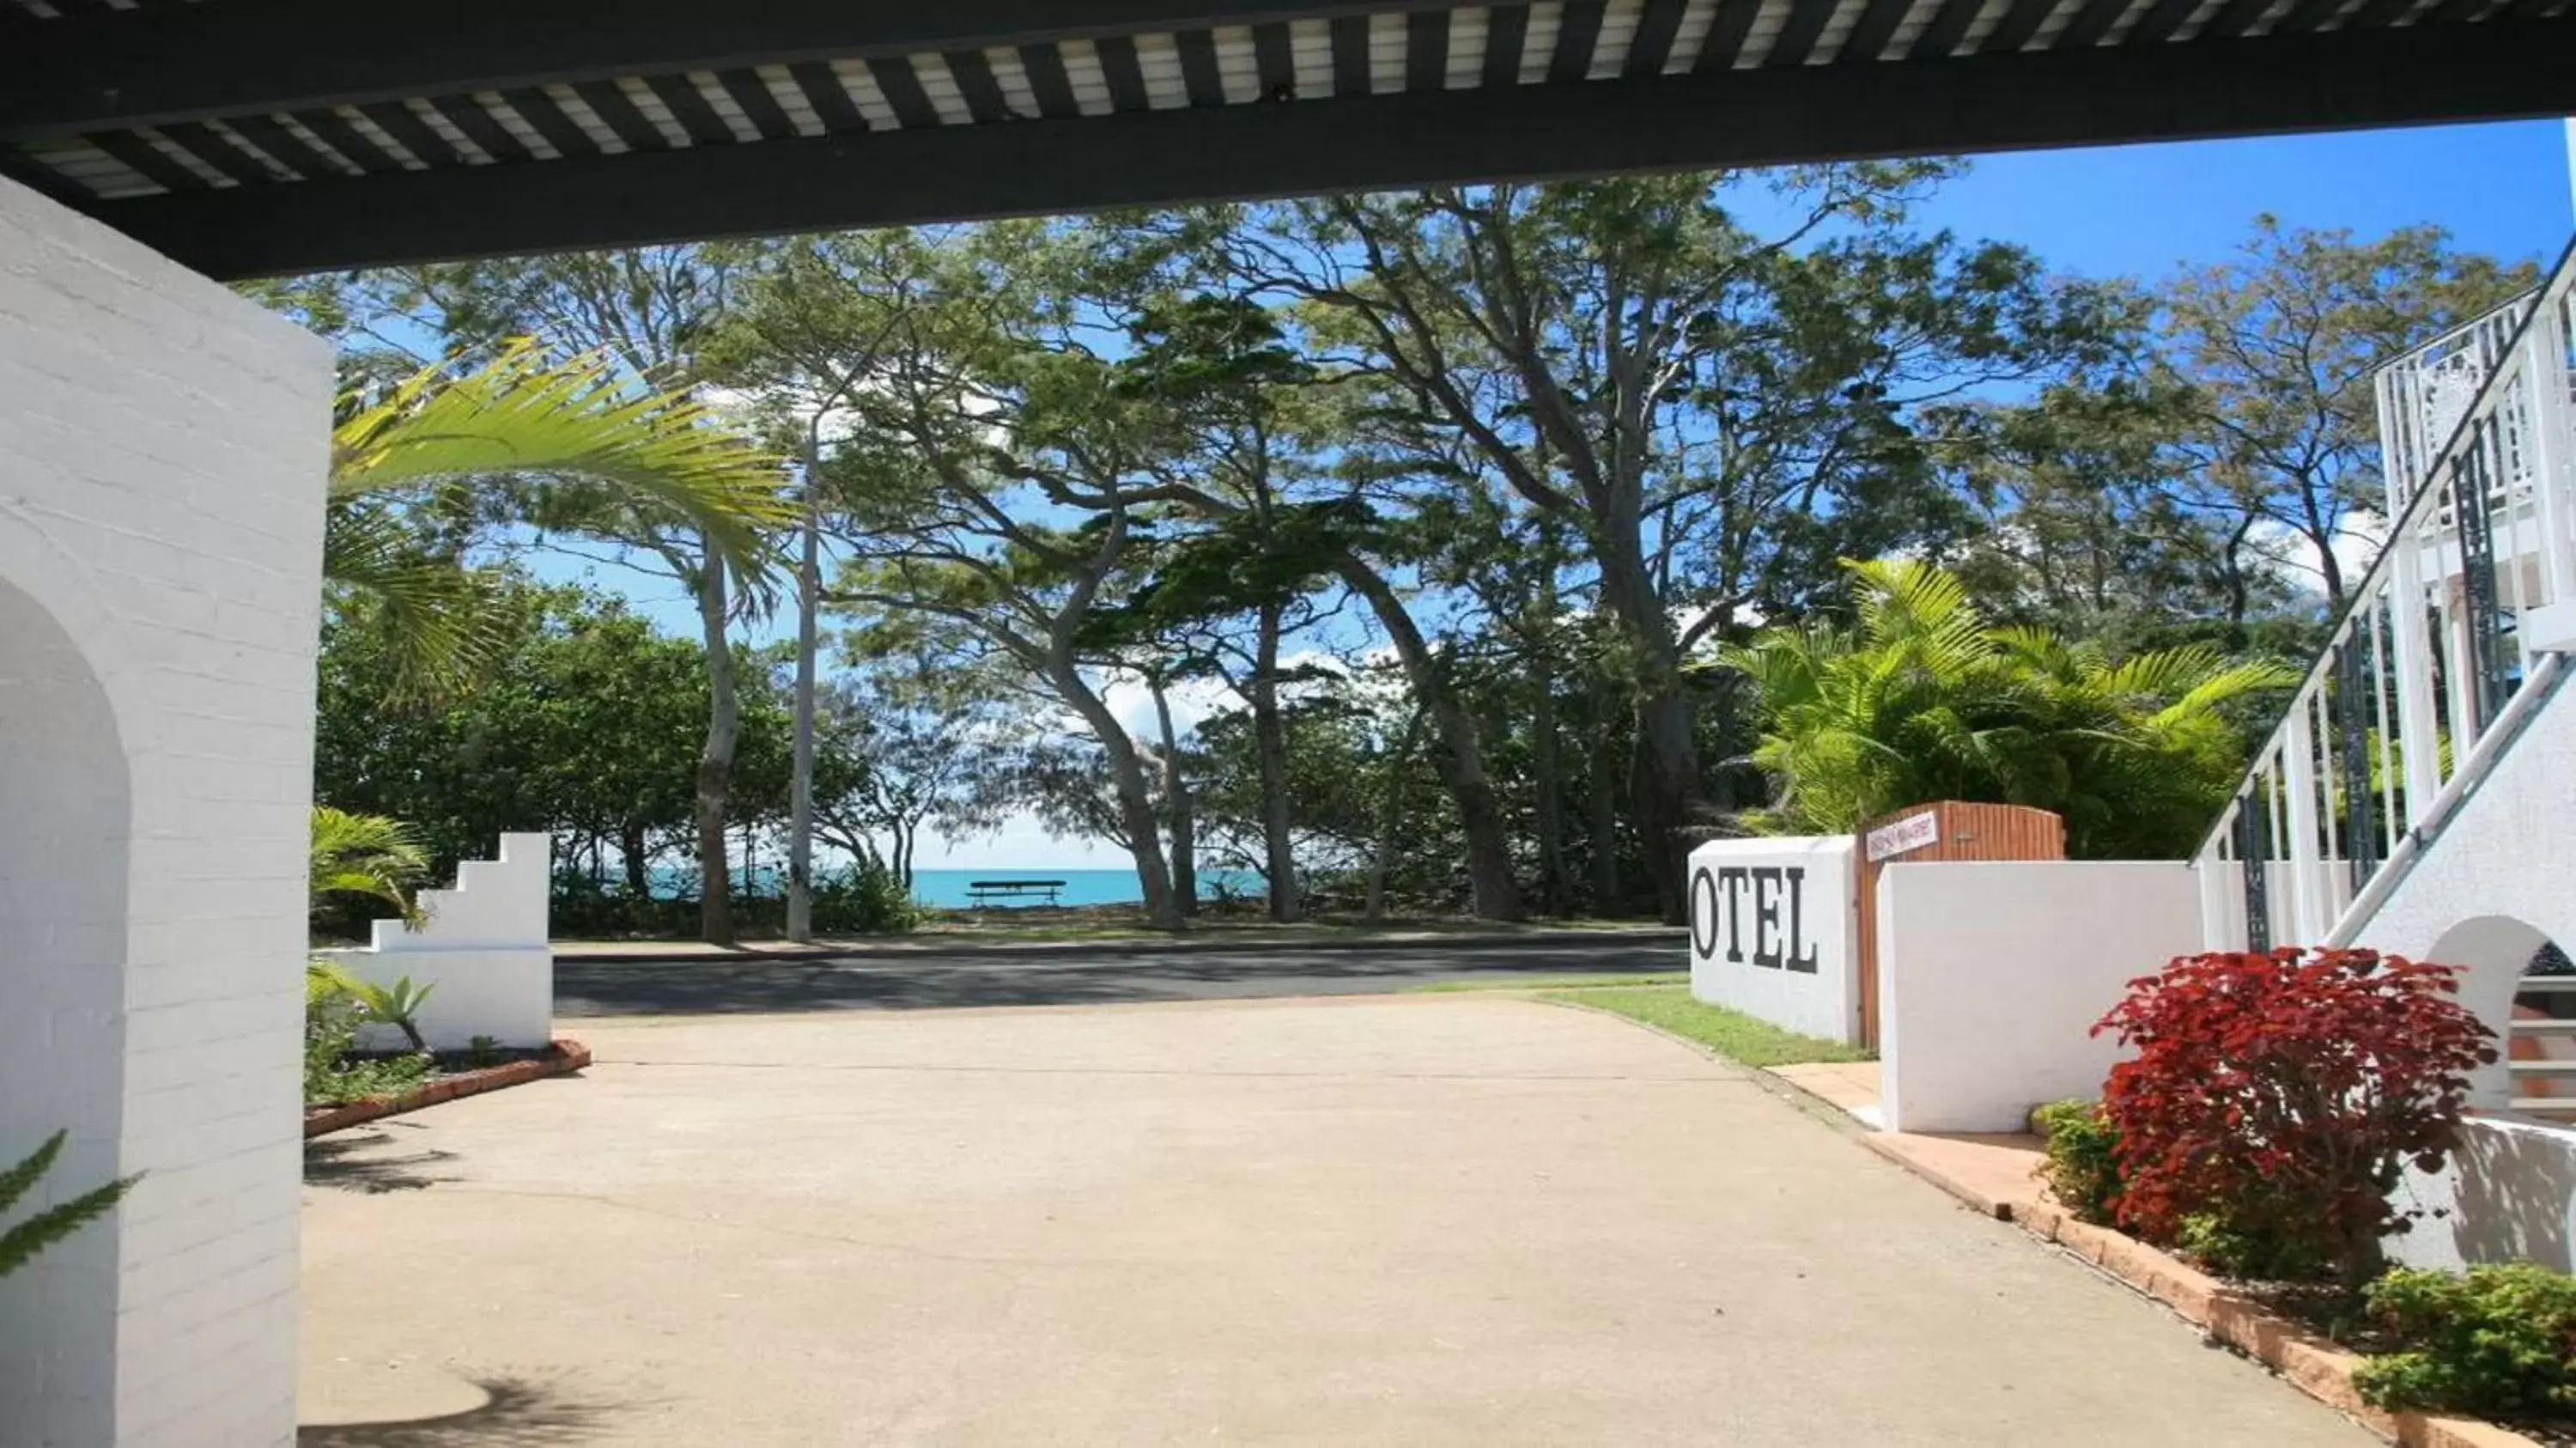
611, 454
1925, 699
367, 856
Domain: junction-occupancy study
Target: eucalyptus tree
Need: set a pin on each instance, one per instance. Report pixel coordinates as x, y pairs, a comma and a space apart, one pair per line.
2276, 347
1696, 397
992, 494
1225, 596
922, 749
809, 333
2086, 515
1259, 460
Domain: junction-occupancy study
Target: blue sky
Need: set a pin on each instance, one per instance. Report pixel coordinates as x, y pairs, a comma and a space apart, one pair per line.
2122, 210
2140, 210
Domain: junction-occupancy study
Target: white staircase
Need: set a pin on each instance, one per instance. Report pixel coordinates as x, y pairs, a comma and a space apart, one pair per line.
2451, 646
2448, 642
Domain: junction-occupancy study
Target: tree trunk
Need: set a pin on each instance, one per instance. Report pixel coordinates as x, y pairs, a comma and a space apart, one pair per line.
1135, 796
1176, 801
800, 789
630, 844
1603, 798
1669, 790
1545, 772
1391, 816
1669, 786
715, 760
1459, 760
1270, 740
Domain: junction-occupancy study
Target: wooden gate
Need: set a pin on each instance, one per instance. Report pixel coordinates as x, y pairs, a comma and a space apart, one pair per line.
1945, 830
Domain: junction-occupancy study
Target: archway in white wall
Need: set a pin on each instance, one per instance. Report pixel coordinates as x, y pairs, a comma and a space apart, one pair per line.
64, 825
2517, 981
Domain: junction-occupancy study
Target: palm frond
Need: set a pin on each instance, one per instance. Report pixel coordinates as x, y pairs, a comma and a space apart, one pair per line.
440, 622
19, 1179
20, 1243
368, 856
1928, 701
2224, 686
581, 420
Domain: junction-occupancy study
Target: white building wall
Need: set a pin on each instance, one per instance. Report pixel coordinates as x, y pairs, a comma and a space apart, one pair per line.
2498, 879
164, 447
1774, 926
482, 946
1991, 975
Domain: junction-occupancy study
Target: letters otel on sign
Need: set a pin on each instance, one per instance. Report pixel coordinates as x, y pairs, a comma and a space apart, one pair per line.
1776, 897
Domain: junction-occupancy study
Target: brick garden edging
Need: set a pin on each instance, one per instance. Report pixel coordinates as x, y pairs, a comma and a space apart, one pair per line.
563, 1057
2308, 1362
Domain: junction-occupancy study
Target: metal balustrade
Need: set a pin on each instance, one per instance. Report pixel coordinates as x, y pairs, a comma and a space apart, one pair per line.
2444, 647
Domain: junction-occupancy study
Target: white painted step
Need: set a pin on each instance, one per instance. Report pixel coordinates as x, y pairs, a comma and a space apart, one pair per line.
2544, 1028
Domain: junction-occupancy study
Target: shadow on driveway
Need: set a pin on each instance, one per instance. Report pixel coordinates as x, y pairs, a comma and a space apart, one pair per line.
514, 1411
1109, 975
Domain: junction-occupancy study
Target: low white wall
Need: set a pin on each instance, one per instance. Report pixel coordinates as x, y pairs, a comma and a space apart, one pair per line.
1773, 926
1991, 975
483, 947
2508, 1194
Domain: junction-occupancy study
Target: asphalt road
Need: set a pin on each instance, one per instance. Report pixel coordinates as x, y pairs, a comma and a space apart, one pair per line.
1102, 976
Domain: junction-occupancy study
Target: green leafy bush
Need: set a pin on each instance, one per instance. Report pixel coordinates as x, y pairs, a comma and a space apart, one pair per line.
2083, 1156
2498, 1342
20, 1244
860, 899
2257, 1239
332, 1015
865, 899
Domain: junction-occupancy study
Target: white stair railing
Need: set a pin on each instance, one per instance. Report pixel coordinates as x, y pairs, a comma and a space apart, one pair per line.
2444, 648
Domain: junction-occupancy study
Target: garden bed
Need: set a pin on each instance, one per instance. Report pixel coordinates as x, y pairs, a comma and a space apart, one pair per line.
456, 1075
2233, 1313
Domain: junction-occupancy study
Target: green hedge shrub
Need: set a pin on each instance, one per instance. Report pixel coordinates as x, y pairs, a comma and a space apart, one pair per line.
2083, 1157
2497, 1342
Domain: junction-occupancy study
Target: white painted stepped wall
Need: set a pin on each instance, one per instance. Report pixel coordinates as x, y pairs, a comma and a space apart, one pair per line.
483, 947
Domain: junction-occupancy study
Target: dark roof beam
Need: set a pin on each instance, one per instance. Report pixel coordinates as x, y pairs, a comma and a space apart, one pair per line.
101, 68
1761, 116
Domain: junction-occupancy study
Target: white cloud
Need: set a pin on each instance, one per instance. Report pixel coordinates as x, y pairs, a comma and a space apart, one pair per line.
2294, 557
1020, 844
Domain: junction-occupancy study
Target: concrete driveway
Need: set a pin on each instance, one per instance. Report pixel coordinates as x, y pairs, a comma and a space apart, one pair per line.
1425, 1220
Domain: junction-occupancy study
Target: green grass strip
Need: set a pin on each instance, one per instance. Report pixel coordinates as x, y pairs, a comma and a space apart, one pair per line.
1555, 982
1731, 1034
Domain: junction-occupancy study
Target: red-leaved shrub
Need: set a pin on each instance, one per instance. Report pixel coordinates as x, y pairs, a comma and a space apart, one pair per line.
2275, 1100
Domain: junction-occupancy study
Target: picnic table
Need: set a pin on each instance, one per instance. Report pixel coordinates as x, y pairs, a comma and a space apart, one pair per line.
980, 893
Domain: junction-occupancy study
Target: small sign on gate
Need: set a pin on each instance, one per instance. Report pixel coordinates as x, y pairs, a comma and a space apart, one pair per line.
1910, 833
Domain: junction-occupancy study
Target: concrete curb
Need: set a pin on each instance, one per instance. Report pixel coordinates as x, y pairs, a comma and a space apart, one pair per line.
562, 1058
2306, 1361
617, 953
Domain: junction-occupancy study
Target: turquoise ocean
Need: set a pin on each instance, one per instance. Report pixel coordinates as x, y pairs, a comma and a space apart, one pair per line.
949, 888
953, 889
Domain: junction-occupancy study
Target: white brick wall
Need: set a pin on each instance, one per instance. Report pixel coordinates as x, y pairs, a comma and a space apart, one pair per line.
482, 949
163, 450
